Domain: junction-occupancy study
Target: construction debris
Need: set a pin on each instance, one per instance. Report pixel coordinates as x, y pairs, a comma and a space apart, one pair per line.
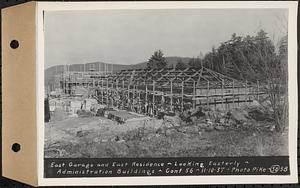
123, 116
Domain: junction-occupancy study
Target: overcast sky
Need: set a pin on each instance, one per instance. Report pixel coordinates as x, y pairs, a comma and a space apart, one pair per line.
131, 36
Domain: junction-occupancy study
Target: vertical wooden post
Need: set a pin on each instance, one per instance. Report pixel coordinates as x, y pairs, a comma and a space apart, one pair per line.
153, 97
146, 98
132, 91
182, 96
128, 95
107, 103
133, 96
222, 93
123, 85
194, 94
102, 91
171, 97
112, 93
207, 94
139, 110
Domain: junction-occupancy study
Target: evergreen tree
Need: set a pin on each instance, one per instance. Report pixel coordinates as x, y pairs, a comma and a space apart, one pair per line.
157, 61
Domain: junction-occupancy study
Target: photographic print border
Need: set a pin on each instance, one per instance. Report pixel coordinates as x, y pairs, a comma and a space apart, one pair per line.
171, 180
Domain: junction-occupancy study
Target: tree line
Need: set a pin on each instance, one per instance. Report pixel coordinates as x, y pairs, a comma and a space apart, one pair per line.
242, 58
249, 58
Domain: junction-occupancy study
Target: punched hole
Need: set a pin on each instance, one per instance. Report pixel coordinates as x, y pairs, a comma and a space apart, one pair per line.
14, 44
16, 147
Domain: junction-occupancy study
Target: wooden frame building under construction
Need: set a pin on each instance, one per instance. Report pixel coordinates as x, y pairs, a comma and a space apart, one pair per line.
150, 91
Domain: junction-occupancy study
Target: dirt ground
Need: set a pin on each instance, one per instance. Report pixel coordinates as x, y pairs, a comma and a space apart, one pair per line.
99, 137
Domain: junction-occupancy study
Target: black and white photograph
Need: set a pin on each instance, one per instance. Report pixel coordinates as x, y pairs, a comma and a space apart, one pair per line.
166, 83
163, 83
